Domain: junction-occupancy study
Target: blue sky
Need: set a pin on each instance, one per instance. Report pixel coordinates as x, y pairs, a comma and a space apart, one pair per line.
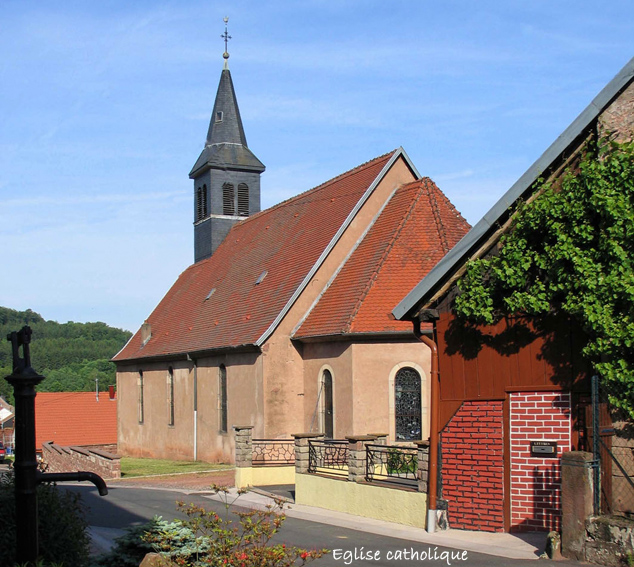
104, 108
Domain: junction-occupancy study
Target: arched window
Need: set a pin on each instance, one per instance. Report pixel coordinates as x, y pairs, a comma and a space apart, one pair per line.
243, 200
327, 404
407, 404
222, 398
170, 396
228, 200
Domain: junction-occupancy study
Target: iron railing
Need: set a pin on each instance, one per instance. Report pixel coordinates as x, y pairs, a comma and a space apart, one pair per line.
273, 452
328, 457
392, 464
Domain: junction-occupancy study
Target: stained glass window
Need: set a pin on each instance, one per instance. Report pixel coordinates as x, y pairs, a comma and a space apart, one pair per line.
407, 402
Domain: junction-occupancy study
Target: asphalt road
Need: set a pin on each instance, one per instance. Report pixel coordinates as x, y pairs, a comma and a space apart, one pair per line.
125, 507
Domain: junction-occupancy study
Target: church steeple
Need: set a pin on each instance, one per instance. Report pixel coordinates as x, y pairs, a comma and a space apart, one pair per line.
226, 174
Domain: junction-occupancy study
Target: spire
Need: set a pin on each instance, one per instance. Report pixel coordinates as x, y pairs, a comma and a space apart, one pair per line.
225, 126
226, 174
226, 143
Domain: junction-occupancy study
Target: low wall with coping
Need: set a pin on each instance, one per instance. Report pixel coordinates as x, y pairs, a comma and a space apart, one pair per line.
367, 500
254, 468
264, 476
70, 459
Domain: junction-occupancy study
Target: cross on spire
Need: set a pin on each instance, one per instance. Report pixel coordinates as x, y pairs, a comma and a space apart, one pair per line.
226, 37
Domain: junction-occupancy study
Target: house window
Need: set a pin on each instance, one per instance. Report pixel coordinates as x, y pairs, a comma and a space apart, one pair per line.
228, 200
407, 404
140, 392
170, 396
219, 116
243, 200
222, 399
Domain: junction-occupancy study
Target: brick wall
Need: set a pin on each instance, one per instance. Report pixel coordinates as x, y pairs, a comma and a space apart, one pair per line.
536, 482
72, 459
473, 467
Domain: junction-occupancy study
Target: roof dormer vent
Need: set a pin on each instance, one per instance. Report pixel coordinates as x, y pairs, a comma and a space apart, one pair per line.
261, 277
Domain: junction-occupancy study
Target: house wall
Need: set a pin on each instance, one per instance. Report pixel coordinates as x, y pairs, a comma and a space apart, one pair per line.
536, 482
531, 366
285, 407
618, 119
473, 467
156, 438
375, 365
335, 356
363, 384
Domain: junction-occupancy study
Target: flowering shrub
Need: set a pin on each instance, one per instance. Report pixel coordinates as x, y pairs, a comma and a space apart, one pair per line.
205, 538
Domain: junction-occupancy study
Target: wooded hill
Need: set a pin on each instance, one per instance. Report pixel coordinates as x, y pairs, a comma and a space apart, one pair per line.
70, 355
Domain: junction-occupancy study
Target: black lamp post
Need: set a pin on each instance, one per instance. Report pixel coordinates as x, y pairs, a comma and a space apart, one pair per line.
24, 380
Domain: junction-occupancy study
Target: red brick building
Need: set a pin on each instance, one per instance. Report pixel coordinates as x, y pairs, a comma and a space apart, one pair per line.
506, 397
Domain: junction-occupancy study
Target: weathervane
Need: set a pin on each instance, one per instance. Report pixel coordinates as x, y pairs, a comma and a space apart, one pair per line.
226, 37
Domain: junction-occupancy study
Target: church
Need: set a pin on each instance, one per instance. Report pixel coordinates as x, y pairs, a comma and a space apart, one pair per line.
283, 322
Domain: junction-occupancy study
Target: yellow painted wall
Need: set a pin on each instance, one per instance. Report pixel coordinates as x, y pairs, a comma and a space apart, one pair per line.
389, 504
264, 476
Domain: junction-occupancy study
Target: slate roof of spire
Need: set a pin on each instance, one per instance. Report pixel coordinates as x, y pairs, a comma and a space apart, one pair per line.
286, 240
414, 231
226, 143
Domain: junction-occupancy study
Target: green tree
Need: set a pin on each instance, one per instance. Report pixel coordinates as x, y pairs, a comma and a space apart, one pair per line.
70, 355
571, 251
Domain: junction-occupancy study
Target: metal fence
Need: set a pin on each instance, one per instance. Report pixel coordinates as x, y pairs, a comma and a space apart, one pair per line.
392, 465
611, 439
273, 452
328, 457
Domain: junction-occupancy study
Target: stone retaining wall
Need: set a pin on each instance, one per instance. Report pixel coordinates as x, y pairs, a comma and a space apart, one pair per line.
70, 459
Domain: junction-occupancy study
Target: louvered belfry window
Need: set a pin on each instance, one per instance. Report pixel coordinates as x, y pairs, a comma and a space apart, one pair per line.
228, 200
243, 200
204, 201
407, 404
199, 203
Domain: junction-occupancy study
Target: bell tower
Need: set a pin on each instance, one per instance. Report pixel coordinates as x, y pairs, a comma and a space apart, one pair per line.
226, 174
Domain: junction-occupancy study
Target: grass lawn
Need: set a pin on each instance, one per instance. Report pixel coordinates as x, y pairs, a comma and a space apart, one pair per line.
131, 467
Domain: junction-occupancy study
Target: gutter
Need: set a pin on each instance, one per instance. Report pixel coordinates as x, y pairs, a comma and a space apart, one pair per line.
434, 434
194, 361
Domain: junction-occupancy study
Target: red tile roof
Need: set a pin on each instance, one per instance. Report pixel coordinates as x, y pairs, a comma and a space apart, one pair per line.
75, 418
285, 241
417, 227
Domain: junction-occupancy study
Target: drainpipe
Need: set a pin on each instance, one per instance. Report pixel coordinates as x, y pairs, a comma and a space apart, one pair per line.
193, 360
432, 479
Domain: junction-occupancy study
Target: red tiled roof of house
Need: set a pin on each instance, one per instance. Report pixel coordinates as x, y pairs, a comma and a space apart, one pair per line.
75, 418
417, 227
284, 241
